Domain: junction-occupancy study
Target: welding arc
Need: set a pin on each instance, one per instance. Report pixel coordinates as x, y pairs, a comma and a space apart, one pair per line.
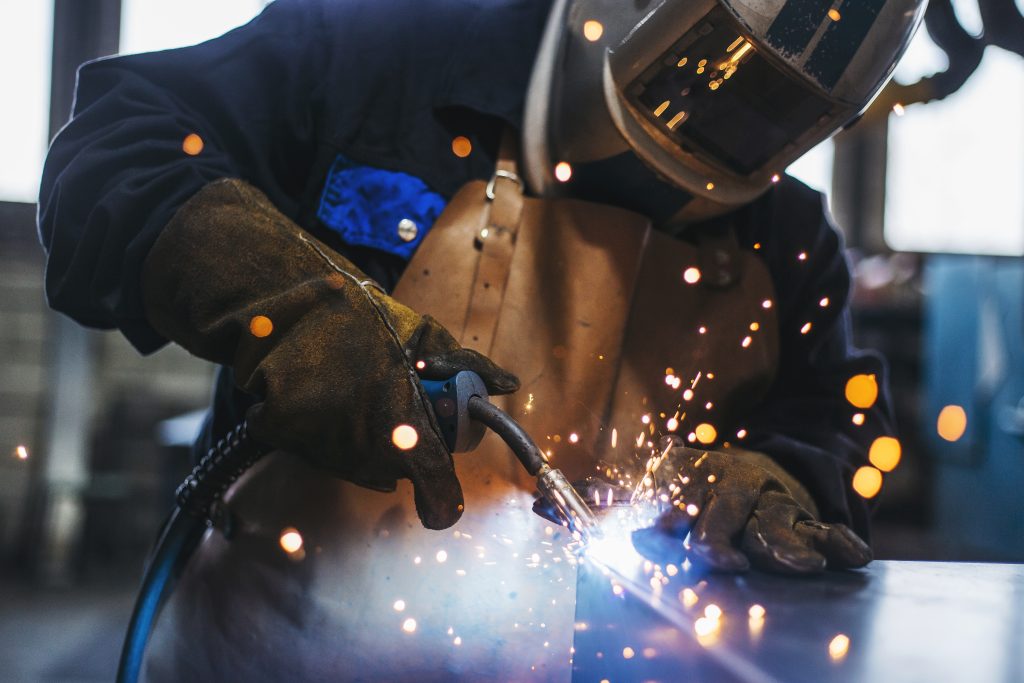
511, 433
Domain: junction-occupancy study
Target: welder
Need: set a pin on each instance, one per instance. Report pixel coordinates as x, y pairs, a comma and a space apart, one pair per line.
340, 199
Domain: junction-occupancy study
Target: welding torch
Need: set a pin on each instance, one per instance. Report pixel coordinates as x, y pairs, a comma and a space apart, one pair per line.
463, 413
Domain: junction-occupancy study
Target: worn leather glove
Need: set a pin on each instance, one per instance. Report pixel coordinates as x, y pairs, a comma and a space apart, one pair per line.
333, 358
746, 510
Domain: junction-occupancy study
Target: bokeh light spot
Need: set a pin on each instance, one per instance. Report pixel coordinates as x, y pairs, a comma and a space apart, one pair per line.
885, 453
192, 145
405, 437
261, 326
462, 147
862, 390
867, 481
593, 30
952, 423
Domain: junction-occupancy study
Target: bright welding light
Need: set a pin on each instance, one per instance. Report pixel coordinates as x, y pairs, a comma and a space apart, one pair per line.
409, 625
563, 171
291, 541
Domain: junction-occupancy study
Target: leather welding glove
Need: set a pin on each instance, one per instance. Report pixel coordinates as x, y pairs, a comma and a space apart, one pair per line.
740, 507
332, 357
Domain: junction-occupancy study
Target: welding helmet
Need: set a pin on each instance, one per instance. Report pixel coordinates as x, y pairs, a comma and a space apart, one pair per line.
713, 97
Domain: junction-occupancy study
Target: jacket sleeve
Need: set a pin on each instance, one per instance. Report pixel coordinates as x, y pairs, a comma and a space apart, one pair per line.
116, 173
805, 422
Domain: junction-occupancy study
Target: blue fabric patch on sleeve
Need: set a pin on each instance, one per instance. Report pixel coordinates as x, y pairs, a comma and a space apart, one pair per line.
364, 205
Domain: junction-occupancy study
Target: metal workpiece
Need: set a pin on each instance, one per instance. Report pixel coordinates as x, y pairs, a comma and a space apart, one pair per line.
892, 621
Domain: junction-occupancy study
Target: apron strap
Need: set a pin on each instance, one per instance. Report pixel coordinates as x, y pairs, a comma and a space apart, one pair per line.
496, 241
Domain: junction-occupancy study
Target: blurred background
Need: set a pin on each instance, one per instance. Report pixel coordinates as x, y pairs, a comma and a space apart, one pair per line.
928, 189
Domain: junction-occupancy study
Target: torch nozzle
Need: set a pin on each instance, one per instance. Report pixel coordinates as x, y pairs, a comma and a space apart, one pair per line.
551, 483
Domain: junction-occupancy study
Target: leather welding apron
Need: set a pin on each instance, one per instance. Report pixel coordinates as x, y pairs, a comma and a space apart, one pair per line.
608, 324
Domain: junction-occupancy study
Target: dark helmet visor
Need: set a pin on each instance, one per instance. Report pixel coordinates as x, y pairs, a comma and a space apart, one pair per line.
718, 98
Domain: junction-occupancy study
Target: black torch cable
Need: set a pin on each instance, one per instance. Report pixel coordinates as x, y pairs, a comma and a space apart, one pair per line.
208, 481
511, 433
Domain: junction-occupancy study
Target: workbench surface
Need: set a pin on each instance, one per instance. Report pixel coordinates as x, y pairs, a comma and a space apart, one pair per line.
905, 621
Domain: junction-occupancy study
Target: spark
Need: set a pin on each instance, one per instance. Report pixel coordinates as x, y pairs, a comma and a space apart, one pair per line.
21, 452
640, 440
627, 652
457, 640
661, 108
805, 329
409, 625
692, 510
563, 171
646, 419
574, 438
672, 424
669, 379
676, 120
755, 326
593, 30
710, 186
713, 612
709, 405
682, 62
838, 647
691, 275
192, 145
290, 541
528, 407
615, 437
834, 15
802, 256
712, 479
688, 597
461, 146
617, 589
824, 302
404, 437
867, 481
417, 559
746, 342
421, 365
702, 329
898, 109
757, 246
671, 570
705, 627
688, 395
767, 303
857, 419
399, 605
775, 179
756, 612
885, 453
952, 423
706, 433
441, 556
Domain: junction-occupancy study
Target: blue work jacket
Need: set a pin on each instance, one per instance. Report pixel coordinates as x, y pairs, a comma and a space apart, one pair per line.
344, 114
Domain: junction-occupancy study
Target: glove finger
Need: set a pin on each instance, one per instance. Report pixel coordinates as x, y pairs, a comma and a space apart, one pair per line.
439, 501
723, 518
663, 542
772, 544
443, 366
437, 492
837, 542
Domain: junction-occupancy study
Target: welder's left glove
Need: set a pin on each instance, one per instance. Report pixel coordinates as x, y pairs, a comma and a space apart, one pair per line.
740, 507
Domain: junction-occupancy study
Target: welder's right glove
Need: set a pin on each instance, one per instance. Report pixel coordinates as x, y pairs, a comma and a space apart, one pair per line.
332, 357
738, 508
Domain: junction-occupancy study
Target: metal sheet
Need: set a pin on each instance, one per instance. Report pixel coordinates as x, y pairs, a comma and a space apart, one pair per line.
905, 621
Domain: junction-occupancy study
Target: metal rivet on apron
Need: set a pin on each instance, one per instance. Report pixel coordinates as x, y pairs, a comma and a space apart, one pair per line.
407, 230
